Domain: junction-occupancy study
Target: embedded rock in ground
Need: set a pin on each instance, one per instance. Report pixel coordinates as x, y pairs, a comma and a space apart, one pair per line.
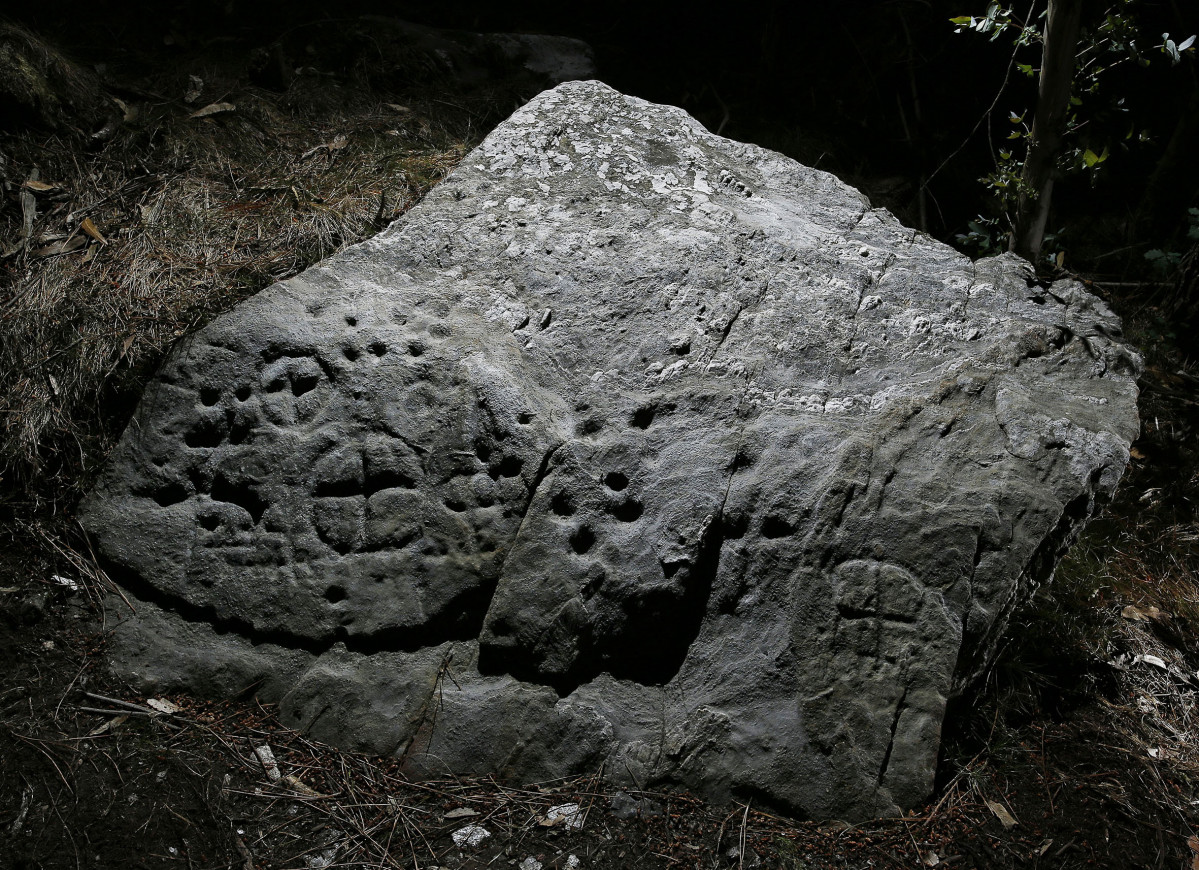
630, 448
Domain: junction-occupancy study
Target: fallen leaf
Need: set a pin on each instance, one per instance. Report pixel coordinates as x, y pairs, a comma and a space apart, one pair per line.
1144, 614
1193, 842
930, 859
89, 227
195, 85
162, 705
568, 815
213, 109
28, 216
460, 813
65, 246
39, 186
1152, 660
1134, 613
9, 589
1005, 818
130, 113
108, 725
396, 107
1136, 454
339, 142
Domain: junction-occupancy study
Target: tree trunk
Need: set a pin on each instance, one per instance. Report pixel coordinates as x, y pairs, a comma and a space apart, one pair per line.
1049, 123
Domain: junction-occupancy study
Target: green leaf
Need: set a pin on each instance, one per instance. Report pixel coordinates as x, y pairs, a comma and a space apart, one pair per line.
961, 20
1025, 68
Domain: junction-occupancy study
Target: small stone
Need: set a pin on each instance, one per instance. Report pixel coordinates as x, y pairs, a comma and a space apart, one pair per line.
471, 835
568, 815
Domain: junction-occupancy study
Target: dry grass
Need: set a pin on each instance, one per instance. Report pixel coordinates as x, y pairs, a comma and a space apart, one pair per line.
113, 254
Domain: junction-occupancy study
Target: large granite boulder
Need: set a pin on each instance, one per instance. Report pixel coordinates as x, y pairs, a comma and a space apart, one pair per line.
631, 448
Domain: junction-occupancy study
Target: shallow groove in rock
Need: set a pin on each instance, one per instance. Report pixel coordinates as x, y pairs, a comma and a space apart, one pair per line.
462, 620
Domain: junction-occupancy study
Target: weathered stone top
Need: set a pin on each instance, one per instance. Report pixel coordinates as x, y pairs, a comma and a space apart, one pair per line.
674, 426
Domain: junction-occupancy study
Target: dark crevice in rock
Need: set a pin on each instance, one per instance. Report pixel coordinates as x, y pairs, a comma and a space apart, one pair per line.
724, 334
243, 495
734, 526
840, 517
669, 569
660, 634
1037, 570
582, 539
615, 481
276, 351
508, 466
642, 417
627, 511
777, 527
848, 611
385, 478
542, 471
562, 504
206, 433
899, 708
303, 383
172, 493
337, 489
762, 798
460, 619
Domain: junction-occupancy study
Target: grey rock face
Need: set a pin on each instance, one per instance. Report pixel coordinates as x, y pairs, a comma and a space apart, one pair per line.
630, 445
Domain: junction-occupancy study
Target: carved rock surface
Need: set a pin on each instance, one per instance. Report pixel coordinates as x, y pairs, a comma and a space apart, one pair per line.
630, 445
